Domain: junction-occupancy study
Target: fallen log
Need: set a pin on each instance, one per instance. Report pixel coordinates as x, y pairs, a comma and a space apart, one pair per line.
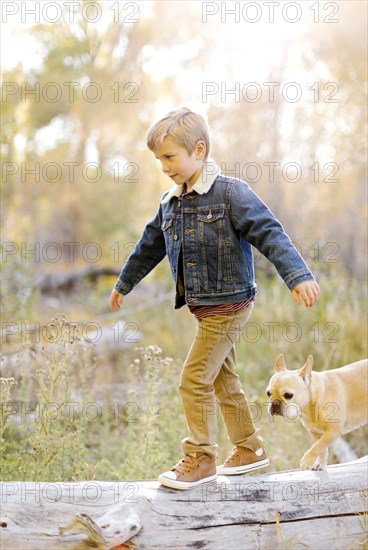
49, 283
290, 509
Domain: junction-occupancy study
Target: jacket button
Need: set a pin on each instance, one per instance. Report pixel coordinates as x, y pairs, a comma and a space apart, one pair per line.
176, 237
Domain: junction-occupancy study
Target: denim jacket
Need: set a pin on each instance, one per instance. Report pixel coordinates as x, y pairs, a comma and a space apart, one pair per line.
213, 227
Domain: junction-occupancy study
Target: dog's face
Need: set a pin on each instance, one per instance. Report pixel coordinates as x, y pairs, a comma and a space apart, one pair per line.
288, 390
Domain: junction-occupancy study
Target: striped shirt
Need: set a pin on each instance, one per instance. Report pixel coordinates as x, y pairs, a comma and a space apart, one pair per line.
221, 309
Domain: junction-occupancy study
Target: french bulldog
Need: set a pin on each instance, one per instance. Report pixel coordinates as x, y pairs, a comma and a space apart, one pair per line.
328, 403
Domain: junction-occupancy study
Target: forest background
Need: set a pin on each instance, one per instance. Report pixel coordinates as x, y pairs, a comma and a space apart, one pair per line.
88, 393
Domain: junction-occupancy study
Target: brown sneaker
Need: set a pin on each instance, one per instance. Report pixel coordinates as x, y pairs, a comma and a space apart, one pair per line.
192, 470
242, 460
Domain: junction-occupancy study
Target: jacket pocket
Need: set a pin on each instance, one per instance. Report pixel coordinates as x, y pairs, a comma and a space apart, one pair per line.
211, 225
167, 227
211, 215
166, 224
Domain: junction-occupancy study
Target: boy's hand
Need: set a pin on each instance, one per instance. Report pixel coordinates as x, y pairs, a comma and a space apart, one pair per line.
309, 291
116, 300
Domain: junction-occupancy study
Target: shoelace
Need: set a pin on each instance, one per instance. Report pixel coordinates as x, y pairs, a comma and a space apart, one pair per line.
233, 455
186, 464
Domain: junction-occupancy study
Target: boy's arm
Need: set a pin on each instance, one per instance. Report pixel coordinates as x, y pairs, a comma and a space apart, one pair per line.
116, 299
308, 291
148, 252
256, 223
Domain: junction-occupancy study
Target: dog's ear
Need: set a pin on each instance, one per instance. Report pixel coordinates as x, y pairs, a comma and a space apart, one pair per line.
280, 364
306, 371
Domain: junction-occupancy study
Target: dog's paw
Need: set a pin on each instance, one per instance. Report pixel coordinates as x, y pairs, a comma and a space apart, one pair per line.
318, 466
307, 462
321, 462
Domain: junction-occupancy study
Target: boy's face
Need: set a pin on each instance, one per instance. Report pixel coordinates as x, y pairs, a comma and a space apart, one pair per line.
178, 164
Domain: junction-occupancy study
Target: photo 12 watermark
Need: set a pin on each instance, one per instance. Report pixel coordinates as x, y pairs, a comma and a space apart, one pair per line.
69, 92
270, 12
255, 411
269, 92
317, 492
273, 171
30, 11
89, 332
69, 172
274, 331
69, 412
85, 493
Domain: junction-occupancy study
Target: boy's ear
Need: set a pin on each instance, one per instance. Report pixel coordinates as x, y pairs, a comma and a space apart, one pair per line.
280, 364
200, 149
306, 370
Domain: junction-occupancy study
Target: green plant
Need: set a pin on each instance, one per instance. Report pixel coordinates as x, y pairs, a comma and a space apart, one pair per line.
285, 543
152, 439
6, 385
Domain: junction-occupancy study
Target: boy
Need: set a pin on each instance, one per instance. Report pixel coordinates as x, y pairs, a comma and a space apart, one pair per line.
206, 224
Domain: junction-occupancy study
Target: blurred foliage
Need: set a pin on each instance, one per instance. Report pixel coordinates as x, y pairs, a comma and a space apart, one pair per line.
156, 66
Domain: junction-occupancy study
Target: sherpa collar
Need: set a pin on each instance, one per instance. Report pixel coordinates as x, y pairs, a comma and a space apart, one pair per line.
203, 184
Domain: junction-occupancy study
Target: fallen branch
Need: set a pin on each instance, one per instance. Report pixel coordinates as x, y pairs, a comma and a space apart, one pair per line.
49, 283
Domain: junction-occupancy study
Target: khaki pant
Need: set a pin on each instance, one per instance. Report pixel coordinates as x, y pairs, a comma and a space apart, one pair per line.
209, 380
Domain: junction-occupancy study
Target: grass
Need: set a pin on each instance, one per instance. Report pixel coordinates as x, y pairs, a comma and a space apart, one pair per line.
363, 522
72, 410
286, 543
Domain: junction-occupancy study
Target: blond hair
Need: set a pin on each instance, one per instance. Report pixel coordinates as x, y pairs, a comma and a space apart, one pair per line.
184, 127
